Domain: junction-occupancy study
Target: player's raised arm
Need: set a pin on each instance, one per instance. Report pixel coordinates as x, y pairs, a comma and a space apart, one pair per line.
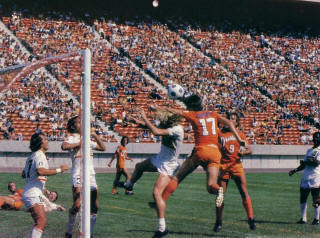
169, 109
100, 145
230, 125
136, 120
154, 130
70, 146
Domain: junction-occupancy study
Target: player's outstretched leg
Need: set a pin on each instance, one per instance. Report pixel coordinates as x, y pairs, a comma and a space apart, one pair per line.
186, 168
144, 166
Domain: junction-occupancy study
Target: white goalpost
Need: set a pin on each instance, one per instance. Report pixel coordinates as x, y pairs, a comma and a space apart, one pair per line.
27, 68
86, 127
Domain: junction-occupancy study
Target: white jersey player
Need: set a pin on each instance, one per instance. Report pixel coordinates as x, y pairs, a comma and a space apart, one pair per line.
165, 162
310, 181
76, 156
35, 172
73, 145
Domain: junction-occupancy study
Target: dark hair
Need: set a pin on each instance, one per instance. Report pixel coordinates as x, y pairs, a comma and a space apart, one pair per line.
316, 138
10, 182
230, 114
36, 141
71, 125
123, 138
56, 196
193, 103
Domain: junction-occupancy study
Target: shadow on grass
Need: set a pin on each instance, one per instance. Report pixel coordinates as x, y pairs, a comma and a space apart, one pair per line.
182, 233
271, 222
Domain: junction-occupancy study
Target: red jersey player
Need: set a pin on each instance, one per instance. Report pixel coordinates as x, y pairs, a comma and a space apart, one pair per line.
231, 166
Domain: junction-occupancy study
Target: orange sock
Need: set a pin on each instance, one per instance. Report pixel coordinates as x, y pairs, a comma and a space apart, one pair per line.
171, 187
214, 188
248, 206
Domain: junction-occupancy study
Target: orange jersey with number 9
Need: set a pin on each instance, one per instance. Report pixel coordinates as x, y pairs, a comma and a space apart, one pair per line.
230, 147
205, 126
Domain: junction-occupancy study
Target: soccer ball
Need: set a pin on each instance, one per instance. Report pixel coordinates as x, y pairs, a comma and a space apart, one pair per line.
155, 3
175, 91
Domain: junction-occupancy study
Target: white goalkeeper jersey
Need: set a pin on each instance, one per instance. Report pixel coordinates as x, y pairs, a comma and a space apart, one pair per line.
35, 183
76, 155
311, 174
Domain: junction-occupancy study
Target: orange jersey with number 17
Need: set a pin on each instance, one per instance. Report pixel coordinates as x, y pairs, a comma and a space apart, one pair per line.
205, 126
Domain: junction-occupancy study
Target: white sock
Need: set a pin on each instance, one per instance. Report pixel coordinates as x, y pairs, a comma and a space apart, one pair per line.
71, 222
35, 233
161, 224
303, 209
93, 219
316, 213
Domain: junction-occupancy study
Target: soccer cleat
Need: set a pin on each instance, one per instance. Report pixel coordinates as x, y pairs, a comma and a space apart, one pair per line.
252, 224
114, 191
301, 221
217, 227
159, 234
68, 235
315, 222
219, 199
127, 192
128, 186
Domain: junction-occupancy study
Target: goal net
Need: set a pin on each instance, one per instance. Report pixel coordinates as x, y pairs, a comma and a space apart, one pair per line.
9, 77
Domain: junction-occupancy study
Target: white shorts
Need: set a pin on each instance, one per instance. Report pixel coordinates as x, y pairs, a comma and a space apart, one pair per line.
76, 182
168, 168
310, 182
31, 201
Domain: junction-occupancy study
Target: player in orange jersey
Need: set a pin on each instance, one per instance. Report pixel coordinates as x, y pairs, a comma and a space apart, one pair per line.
206, 151
231, 167
121, 156
13, 201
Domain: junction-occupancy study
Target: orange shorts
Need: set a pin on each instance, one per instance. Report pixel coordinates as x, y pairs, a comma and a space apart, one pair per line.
229, 169
206, 156
18, 204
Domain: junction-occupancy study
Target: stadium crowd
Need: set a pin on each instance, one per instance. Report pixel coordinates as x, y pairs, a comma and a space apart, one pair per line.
246, 72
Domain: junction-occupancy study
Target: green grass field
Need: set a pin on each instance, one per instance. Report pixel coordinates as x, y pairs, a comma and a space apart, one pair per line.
190, 212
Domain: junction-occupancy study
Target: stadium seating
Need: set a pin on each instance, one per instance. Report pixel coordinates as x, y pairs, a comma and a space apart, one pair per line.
242, 72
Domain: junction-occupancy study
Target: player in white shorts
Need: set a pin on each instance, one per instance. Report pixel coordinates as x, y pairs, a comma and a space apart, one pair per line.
35, 172
310, 181
72, 144
165, 162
